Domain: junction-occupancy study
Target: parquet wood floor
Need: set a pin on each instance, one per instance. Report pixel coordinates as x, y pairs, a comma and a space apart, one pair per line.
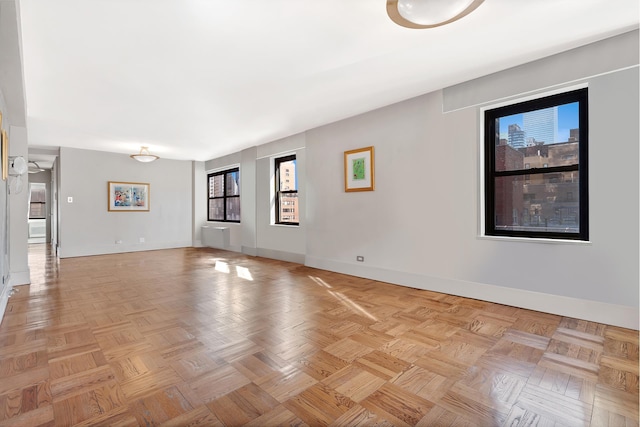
198, 336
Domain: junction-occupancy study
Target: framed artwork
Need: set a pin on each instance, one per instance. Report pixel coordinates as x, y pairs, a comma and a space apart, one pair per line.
128, 196
359, 170
4, 149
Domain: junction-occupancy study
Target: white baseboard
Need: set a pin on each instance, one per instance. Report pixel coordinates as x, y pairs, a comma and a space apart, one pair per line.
281, 255
248, 250
594, 311
4, 300
66, 252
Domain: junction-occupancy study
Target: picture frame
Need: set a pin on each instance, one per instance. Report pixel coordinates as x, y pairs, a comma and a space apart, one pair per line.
128, 196
4, 154
359, 169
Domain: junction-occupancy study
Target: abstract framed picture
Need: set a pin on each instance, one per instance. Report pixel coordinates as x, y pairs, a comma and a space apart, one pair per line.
359, 173
128, 196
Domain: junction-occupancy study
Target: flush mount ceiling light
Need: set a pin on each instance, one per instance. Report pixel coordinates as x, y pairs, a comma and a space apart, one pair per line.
144, 155
429, 13
35, 168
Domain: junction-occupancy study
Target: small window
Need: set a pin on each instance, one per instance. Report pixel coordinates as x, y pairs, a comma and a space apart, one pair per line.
37, 201
539, 188
224, 196
286, 191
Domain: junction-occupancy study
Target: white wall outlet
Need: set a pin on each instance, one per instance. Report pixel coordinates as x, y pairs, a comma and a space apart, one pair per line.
69, 199
360, 258
141, 240
118, 242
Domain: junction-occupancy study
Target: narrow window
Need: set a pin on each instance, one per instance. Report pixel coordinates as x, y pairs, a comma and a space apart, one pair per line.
37, 201
287, 191
536, 168
224, 196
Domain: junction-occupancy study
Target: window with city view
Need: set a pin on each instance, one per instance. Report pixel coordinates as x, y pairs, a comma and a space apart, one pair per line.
536, 168
224, 196
287, 211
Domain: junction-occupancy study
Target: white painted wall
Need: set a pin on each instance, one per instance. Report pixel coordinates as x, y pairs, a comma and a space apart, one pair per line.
88, 228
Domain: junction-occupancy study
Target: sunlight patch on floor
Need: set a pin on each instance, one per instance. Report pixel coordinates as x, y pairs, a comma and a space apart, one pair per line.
243, 273
346, 301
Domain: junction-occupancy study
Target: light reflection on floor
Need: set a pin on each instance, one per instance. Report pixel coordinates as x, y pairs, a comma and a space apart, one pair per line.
346, 301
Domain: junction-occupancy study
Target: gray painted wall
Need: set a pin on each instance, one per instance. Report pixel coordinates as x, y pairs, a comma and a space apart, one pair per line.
284, 242
14, 268
5, 288
88, 228
235, 229
199, 202
256, 234
420, 227
18, 211
423, 217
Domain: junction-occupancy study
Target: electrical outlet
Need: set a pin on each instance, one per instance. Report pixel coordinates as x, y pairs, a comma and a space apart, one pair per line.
141, 240
69, 199
118, 242
360, 258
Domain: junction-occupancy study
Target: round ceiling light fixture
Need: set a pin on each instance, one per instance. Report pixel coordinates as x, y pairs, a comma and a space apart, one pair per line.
144, 156
429, 13
35, 168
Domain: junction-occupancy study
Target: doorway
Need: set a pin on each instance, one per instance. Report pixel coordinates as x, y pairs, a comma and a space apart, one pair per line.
39, 218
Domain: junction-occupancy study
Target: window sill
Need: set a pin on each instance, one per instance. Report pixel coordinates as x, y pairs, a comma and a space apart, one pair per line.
286, 225
537, 240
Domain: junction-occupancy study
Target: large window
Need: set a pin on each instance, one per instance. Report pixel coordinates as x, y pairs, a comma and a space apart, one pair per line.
224, 196
536, 168
287, 211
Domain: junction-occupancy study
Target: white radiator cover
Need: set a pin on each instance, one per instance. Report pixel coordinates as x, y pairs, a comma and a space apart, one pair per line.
37, 228
215, 237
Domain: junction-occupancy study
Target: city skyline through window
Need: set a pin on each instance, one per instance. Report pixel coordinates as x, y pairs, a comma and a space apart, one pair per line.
567, 119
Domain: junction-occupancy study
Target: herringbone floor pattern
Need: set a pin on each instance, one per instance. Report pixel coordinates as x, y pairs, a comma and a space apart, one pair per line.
206, 337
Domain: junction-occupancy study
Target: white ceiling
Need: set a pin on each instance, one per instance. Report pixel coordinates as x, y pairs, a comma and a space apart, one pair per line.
198, 79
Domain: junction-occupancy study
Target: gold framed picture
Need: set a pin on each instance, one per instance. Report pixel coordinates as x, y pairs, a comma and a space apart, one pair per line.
359, 170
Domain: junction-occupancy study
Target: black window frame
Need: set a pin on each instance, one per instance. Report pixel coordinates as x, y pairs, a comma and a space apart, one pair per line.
279, 192
491, 141
225, 196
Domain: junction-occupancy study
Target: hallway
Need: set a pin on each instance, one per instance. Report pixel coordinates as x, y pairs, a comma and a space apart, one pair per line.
43, 265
